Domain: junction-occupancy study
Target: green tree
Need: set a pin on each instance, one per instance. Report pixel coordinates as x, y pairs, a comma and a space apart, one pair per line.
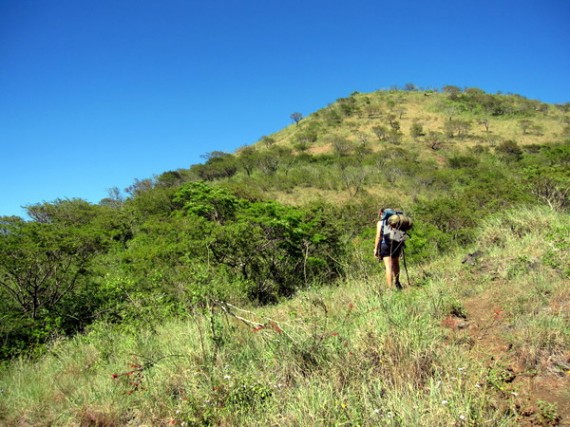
463, 162
341, 146
268, 141
219, 165
269, 162
380, 132
279, 249
509, 151
63, 211
248, 159
305, 138
211, 202
149, 201
452, 91
273, 248
170, 179
41, 262
435, 140
332, 117
372, 111
347, 106
457, 128
529, 127
394, 123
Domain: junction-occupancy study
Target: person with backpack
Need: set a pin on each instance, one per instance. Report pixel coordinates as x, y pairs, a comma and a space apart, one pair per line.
390, 242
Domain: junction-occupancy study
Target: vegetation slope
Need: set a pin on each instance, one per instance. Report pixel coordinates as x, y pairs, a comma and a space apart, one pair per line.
243, 291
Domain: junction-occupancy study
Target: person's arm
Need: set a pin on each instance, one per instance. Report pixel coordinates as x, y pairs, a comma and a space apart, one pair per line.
378, 238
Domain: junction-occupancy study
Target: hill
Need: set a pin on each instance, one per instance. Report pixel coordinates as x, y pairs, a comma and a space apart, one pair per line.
387, 134
243, 291
470, 343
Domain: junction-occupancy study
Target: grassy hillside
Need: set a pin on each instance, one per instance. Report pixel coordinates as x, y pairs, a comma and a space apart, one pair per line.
483, 342
489, 118
431, 125
243, 291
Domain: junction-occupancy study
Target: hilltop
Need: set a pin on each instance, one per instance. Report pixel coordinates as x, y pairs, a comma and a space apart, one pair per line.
422, 127
455, 116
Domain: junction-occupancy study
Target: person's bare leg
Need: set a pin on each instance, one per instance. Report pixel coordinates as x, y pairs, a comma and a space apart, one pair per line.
396, 272
389, 271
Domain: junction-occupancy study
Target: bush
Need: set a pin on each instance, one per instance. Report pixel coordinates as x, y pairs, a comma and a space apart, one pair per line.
509, 151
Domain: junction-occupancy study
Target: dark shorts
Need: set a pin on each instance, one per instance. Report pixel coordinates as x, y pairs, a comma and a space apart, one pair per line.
393, 251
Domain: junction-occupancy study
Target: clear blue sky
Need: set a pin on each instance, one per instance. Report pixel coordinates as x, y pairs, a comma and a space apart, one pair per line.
97, 93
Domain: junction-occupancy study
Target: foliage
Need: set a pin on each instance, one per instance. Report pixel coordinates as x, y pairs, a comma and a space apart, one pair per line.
273, 248
457, 128
477, 101
416, 129
509, 151
352, 354
213, 203
218, 166
45, 271
278, 249
216, 231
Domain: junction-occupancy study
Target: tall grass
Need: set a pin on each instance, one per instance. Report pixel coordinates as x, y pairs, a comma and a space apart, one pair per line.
355, 354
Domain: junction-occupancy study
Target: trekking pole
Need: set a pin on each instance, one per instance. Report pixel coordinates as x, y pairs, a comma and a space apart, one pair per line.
405, 266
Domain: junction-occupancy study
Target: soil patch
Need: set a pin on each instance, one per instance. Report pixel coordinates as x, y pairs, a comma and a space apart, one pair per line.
541, 396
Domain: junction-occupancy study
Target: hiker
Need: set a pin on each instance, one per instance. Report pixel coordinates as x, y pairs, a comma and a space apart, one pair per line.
388, 250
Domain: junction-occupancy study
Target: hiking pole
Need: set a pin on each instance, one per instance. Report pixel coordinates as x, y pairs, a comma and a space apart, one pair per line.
405, 266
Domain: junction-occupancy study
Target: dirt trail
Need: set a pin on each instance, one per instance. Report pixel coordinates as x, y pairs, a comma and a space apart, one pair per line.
533, 391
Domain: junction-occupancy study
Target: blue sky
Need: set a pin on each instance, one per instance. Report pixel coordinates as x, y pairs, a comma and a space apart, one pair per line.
96, 94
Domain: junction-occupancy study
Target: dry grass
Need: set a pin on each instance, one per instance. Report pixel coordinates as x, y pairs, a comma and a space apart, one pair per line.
352, 355
413, 107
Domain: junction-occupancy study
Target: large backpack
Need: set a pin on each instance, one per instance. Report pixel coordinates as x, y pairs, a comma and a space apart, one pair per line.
395, 225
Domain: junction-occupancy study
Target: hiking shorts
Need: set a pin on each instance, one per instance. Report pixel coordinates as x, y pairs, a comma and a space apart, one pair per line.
393, 251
